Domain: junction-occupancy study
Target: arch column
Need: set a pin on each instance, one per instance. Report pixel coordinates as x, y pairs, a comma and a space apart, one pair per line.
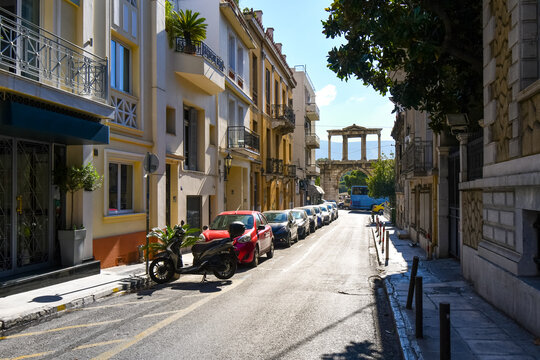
329, 147
364, 154
379, 144
345, 153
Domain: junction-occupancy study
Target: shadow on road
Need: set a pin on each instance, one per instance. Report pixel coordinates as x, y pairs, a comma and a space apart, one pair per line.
356, 350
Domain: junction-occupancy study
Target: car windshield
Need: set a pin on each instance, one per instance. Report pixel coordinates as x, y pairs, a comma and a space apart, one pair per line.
317, 210
221, 222
276, 217
308, 211
297, 214
323, 209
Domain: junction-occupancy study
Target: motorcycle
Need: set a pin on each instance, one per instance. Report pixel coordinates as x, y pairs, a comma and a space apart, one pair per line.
218, 256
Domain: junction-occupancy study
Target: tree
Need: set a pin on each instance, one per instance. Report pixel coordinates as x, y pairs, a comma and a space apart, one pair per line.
426, 53
355, 177
382, 182
187, 24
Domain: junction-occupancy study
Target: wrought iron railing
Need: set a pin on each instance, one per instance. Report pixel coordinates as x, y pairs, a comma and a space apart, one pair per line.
290, 170
282, 112
242, 137
419, 157
274, 166
475, 158
33, 52
201, 49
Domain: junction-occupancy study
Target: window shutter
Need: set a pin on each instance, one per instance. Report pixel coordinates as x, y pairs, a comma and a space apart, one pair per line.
193, 120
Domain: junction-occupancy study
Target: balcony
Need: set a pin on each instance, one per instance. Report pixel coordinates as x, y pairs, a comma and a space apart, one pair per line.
418, 158
313, 170
199, 65
31, 52
313, 141
283, 118
274, 166
312, 111
290, 171
243, 140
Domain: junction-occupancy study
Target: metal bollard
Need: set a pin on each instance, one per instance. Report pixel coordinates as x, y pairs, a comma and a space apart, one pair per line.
419, 313
444, 323
414, 270
387, 246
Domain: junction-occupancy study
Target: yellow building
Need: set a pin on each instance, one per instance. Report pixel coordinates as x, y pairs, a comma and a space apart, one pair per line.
272, 118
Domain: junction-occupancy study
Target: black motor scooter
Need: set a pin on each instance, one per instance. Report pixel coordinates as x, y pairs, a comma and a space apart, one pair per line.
218, 256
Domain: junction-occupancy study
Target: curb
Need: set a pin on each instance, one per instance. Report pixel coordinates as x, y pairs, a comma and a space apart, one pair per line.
136, 282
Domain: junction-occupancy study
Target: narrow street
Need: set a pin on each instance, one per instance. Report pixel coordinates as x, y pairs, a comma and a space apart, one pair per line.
321, 298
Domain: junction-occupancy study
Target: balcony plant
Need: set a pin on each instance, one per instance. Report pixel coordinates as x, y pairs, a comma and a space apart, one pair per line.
186, 24
71, 180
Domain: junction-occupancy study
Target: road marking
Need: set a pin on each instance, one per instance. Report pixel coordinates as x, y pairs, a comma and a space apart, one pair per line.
60, 329
99, 344
126, 303
29, 356
161, 313
299, 246
177, 315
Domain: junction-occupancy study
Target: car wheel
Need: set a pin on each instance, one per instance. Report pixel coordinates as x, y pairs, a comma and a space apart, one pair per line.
255, 262
270, 253
381, 212
288, 242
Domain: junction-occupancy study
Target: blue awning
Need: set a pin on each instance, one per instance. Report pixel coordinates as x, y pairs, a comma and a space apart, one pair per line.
22, 120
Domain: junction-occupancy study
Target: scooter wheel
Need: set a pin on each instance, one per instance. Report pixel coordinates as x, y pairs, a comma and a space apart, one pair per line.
229, 263
161, 270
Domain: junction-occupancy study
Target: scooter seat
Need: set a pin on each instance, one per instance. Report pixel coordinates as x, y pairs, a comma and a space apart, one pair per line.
202, 247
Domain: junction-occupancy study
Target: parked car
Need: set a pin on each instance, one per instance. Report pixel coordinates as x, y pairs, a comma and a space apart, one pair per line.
335, 207
379, 209
283, 226
324, 214
312, 218
302, 220
333, 213
320, 220
256, 241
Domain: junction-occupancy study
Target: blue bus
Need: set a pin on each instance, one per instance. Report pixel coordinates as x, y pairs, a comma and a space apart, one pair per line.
360, 200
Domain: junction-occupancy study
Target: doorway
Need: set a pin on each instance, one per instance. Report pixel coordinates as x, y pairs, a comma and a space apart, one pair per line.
25, 203
453, 202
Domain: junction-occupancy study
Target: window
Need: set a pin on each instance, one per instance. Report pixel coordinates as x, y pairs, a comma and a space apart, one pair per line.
170, 115
267, 90
190, 138
194, 211
231, 113
120, 188
240, 121
255, 80
232, 54
240, 62
120, 66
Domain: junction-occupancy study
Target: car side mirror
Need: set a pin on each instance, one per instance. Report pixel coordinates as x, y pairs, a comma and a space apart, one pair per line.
205, 227
261, 227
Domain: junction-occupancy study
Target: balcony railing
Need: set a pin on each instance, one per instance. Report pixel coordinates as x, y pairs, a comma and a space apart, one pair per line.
30, 51
201, 49
274, 166
313, 141
242, 137
290, 170
419, 157
282, 112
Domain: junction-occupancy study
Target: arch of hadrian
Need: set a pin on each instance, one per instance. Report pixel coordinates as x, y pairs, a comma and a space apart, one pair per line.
333, 170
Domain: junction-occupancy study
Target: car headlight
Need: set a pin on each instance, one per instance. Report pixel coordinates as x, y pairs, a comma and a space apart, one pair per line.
244, 238
202, 237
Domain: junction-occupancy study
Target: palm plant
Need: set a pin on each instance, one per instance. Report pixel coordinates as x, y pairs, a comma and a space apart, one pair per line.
165, 236
188, 25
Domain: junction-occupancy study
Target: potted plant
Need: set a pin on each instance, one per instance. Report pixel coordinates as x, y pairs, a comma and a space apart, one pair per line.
186, 24
71, 180
164, 237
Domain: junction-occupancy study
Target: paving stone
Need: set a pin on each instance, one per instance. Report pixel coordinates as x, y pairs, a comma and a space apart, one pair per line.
495, 347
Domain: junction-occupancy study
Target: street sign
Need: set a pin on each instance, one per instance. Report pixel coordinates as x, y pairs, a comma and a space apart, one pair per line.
151, 163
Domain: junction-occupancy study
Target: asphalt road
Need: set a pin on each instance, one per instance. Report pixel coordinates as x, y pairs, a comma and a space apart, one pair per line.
319, 299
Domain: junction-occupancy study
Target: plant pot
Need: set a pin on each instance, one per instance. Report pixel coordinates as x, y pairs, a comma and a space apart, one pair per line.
71, 246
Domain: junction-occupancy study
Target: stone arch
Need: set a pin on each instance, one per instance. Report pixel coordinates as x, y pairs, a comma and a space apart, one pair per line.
346, 170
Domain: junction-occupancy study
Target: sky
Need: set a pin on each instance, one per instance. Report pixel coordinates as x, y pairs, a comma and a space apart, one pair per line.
297, 25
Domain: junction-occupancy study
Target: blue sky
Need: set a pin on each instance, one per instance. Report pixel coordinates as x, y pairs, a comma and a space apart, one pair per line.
297, 24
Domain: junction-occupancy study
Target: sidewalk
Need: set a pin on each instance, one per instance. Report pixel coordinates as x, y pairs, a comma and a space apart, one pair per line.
478, 330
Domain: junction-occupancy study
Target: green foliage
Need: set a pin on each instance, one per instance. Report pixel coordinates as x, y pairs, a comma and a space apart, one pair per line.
382, 182
77, 178
355, 177
186, 24
426, 54
318, 181
165, 236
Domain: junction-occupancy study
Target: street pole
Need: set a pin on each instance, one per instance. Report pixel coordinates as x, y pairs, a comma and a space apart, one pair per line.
147, 210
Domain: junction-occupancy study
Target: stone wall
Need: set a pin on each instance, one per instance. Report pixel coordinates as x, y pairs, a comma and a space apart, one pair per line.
472, 218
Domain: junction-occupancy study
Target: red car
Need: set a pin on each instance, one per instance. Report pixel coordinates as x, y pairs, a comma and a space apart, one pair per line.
256, 241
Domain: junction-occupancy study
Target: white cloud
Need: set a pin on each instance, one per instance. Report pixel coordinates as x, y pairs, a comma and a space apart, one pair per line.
326, 95
357, 99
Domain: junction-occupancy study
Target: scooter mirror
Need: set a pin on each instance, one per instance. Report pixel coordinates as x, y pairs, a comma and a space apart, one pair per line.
205, 227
